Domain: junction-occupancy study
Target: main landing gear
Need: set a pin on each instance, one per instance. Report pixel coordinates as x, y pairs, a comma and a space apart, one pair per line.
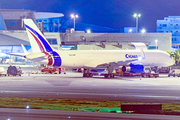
87, 73
109, 75
110, 70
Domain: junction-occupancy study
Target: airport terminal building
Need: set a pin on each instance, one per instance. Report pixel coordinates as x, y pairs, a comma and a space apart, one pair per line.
62, 37
170, 24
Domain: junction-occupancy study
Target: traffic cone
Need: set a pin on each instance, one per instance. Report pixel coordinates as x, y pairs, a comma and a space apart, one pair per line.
140, 78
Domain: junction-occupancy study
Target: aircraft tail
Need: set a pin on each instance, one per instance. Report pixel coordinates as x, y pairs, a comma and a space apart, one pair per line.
37, 40
42, 50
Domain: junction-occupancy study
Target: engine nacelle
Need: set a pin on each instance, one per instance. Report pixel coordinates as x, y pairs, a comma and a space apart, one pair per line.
133, 68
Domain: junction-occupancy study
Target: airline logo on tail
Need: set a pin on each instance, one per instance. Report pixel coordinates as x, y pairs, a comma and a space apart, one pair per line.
54, 58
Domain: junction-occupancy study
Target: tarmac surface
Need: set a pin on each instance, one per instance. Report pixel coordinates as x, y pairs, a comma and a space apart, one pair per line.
30, 114
73, 86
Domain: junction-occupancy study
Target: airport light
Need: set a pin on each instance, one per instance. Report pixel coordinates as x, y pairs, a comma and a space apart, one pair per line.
88, 31
27, 107
136, 16
143, 31
130, 31
156, 43
74, 16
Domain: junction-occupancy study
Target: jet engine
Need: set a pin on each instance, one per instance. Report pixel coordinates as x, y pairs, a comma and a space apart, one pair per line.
133, 68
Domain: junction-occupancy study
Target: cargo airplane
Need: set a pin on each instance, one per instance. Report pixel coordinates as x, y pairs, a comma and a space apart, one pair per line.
44, 53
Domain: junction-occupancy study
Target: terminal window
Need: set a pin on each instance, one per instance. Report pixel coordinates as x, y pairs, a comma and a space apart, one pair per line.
164, 25
52, 41
13, 24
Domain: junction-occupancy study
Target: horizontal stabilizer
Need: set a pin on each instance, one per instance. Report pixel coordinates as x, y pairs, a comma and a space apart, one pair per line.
17, 54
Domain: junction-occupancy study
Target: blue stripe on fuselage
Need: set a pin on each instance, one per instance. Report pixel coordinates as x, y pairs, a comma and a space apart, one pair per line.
57, 59
44, 42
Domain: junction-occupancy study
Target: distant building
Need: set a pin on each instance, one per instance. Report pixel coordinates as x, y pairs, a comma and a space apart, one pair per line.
170, 24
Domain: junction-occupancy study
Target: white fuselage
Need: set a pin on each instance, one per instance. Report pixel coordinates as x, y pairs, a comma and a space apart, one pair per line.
93, 58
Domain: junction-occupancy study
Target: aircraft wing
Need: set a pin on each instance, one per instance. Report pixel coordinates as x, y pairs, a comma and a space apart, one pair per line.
115, 64
125, 62
121, 63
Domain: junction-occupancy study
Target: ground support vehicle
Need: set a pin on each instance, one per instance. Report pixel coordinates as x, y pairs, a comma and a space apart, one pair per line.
62, 70
14, 70
119, 72
139, 74
150, 75
50, 70
164, 70
53, 70
2, 71
174, 72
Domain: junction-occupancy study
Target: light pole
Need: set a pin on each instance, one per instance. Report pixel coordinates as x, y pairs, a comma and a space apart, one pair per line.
136, 16
74, 16
156, 43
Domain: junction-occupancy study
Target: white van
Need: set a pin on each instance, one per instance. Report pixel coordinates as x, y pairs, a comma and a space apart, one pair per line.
174, 72
2, 71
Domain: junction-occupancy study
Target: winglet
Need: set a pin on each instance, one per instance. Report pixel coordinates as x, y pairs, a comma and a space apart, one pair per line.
140, 46
24, 49
142, 53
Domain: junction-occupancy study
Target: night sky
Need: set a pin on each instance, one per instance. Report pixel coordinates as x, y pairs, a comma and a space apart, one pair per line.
109, 13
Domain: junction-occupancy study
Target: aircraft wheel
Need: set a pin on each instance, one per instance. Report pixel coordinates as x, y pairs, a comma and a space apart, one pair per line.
109, 75
112, 75
106, 76
87, 74
90, 75
84, 75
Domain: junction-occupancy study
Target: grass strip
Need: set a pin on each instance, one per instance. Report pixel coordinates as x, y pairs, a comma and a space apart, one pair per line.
74, 105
